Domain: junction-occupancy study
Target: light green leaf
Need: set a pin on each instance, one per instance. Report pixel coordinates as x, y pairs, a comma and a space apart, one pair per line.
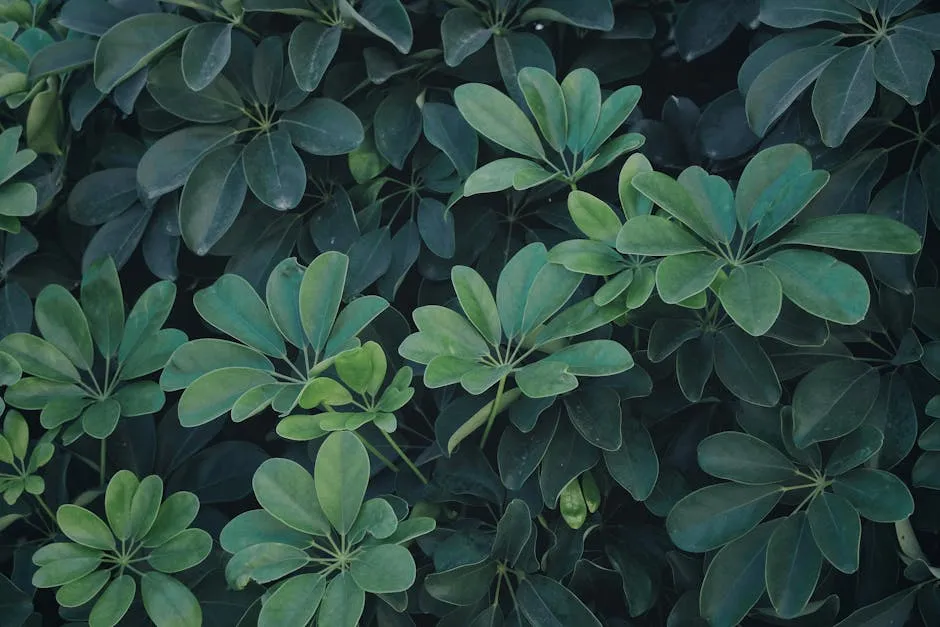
215, 392
287, 492
713, 197
103, 304
682, 276
342, 603
184, 550
85, 528
546, 100
669, 194
861, 232
752, 296
168, 602
175, 514
100, 419
40, 358
117, 503
657, 236
478, 302
321, 291
232, 306
294, 602
61, 321
582, 93
821, 285
341, 476
114, 602
495, 176
594, 217
495, 116
614, 112
383, 569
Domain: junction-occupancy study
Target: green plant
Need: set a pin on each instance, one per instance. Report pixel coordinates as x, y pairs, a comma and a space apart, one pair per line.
320, 525
145, 535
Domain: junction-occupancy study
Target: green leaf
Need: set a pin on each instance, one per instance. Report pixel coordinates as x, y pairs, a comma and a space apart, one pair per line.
342, 603
352, 320
713, 197
546, 100
793, 565
387, 19
62, 563
744, 368
796, 13
634, 465
860, 232
657, 236
100, 419
614, 112
117, 503
544, 601
743, 458
844, 92
212, 198
586, 256
323, 127
446, 129
184, 550
477, 302
168, 602
294, 602
495, 176
383, 569
594, 217
264, 563
175, 514
274, 171
495, 116
893, 609
397, 125
876, 495
81, 591
582, 93
311, 49
715, 515
232, 306
854, 450
595, 413
287, 492
145, 506
83, 527
821, 285
321, 291
376, 518
832, 400
218, 102
837, 530
169, 161
133, 43
61, 321
215, 392
752, 296
463, 585
205, 52
114, 602
363, 369
103, 304
734, 581
462, 34
146, 317
436, 227
904, 64
669, 194
40, 358
782, 82
341, 475
682, 276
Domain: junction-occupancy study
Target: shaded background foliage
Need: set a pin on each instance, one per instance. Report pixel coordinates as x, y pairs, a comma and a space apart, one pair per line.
483, 350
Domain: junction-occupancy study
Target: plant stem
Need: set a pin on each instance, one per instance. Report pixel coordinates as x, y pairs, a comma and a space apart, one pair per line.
382, 458
405, 458
494, 409
102, 456
46, 509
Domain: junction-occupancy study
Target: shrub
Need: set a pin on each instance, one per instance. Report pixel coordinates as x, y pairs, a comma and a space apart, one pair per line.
475, 313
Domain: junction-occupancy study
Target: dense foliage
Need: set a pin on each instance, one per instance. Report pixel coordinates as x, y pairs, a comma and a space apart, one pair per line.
522, 313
